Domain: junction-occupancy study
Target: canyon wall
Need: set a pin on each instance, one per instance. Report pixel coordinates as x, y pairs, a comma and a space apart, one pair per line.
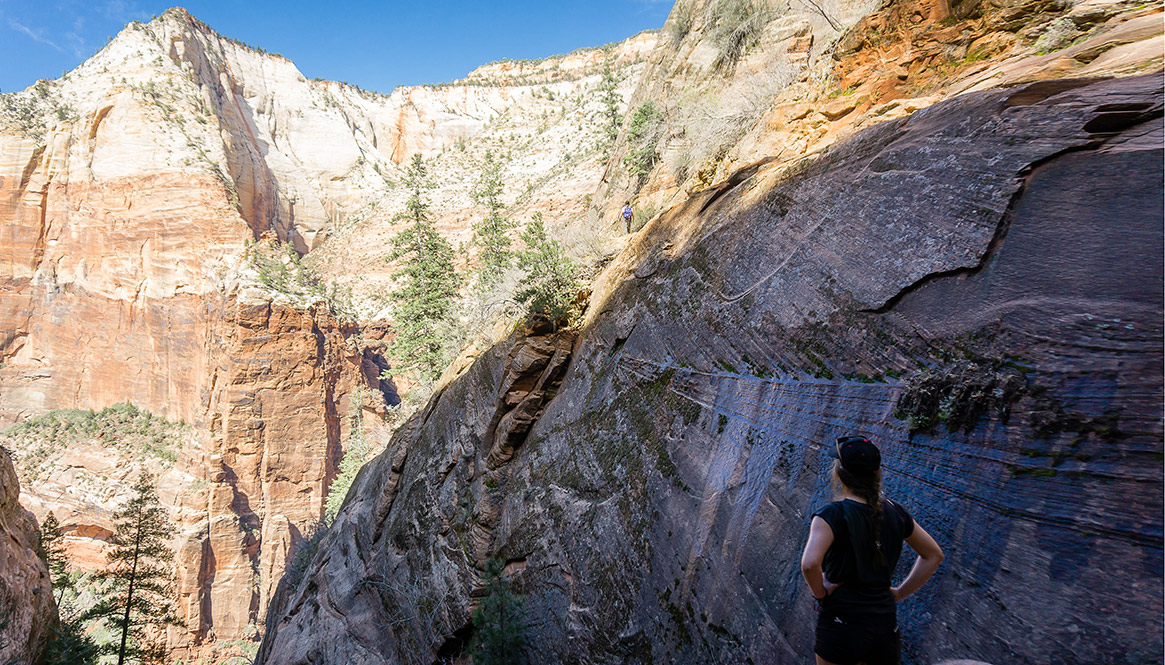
28, 611
131, 188
977, 286
130, 192
818, 72
125, 229
242, 490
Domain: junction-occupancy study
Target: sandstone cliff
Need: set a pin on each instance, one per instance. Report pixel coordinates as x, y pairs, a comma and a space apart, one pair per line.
130, 188
129, 191
130, 185
943, 281
27, 609
242, 489
817, 72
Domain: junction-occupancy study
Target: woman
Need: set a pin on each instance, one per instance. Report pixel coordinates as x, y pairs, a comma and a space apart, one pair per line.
852, 550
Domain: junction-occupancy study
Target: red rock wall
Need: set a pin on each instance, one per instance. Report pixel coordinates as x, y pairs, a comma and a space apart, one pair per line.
111, 291
657, 509
100, 280
27, 608
277, 402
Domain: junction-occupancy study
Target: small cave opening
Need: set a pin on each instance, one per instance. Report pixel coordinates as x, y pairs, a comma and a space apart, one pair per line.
455, 648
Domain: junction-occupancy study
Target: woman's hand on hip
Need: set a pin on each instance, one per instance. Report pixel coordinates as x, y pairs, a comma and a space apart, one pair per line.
830, 587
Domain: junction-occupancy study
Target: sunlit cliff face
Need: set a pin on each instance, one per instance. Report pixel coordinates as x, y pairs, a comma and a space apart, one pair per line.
851, 228
133, 189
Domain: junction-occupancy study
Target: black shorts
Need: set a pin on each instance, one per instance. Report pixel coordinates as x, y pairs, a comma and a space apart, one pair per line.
852, 640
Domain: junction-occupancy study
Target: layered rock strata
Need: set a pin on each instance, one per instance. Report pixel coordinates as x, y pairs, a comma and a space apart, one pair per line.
977, 286
821, 71
130, 186
129, 191
243, 489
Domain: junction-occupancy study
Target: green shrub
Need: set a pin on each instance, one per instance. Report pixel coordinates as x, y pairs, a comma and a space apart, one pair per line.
65, 113
959, 395
499, 636
356, 451
642, 138
123, 426
282, 270
23, 112
681, 23
1056, 36
303, 552
645, 214
551, 283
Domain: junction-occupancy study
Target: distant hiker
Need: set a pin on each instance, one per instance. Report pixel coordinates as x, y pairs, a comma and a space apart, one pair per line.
628, 215
853, 547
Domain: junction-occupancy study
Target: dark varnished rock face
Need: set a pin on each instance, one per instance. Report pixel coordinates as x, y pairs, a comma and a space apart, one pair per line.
1004, 248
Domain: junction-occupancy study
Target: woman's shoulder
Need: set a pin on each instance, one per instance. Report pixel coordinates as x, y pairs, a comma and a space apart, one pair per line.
832, 506
890, 505
897, 514
831, 512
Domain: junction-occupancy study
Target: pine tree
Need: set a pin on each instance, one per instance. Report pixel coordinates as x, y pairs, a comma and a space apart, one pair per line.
499, 636
611, 100
139, 602
69, 645
425, 303
54, 555
550, 285
643, 133
491, 233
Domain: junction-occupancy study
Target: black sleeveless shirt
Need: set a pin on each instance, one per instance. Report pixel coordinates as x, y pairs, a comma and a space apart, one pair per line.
850, 560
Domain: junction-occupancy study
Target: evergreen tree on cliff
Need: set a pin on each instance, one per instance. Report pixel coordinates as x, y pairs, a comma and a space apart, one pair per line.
139, 603
550, 285
69, 645
492, 233
54, 555
499, 636
425, 302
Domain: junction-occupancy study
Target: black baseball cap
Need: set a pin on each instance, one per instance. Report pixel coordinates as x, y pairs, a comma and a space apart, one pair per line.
857, 454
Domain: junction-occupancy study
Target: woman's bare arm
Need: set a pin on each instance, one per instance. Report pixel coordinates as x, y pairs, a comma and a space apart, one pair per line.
820, 538
930, 555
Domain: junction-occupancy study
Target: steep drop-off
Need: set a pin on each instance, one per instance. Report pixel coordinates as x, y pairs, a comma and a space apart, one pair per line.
129, 191
978, 286
241, 489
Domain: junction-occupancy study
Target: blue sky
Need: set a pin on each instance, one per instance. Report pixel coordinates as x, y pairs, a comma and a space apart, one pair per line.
376, 45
